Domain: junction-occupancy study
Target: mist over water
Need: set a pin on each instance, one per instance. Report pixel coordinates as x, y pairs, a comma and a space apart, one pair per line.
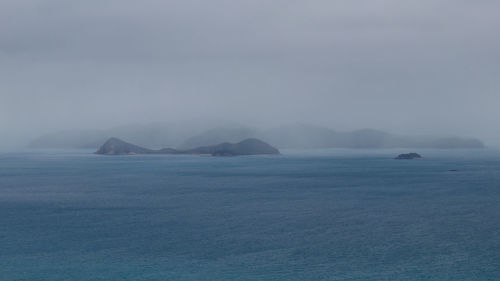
385, 77
413, 67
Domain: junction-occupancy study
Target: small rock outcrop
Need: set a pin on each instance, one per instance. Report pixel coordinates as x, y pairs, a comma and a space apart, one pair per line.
408, 156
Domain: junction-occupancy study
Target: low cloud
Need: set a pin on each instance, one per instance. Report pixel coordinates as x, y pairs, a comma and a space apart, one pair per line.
418, 67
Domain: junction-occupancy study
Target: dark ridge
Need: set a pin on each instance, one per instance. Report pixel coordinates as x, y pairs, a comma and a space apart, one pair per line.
115, 146
246, 147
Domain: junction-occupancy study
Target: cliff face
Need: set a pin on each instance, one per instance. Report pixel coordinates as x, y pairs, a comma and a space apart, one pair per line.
115, 146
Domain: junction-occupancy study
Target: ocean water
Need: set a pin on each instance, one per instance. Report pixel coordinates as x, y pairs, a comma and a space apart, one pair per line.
305, 215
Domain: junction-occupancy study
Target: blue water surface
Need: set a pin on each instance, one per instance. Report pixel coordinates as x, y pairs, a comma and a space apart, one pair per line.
305, 215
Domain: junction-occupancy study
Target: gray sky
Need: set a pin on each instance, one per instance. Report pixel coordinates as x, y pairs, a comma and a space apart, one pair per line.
410, 67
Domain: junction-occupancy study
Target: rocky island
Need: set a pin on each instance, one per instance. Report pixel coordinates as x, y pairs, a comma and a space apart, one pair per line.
408, 156
115, 146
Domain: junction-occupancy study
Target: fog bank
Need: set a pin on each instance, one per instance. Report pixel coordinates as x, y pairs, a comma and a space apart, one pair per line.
413, 67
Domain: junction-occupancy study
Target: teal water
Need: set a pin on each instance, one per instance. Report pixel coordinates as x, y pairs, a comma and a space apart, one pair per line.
306, 215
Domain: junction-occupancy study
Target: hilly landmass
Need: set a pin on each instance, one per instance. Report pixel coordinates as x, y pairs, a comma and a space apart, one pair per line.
161, 135
115, 146
306, 136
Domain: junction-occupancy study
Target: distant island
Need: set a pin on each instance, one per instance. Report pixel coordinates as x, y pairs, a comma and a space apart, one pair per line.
295, 136
300, 136
116, 146
408, 156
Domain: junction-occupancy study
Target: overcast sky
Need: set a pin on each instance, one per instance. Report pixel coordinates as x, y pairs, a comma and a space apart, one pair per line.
405, 66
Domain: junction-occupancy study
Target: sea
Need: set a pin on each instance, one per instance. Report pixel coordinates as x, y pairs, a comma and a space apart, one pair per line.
304, 215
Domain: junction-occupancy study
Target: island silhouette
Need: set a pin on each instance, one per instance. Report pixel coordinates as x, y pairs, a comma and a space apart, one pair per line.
251, 146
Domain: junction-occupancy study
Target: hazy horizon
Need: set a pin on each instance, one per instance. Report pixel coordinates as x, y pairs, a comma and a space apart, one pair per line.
410, 68
191, 134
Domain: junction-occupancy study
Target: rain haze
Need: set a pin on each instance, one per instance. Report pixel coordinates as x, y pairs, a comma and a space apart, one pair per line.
408, 67
246, 140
